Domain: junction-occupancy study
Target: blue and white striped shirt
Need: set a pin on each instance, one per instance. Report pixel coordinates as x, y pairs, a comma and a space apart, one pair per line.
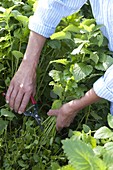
50, 12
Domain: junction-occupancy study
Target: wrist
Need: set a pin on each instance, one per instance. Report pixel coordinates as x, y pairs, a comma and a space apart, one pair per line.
34, 48
74, 106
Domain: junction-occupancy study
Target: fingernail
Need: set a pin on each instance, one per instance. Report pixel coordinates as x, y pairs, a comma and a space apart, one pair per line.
19, 112
7, 101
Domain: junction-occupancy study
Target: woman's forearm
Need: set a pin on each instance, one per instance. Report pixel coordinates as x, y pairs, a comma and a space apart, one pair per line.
34, 47
89, 98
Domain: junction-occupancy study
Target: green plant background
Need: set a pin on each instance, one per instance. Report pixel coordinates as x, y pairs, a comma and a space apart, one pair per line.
74, 57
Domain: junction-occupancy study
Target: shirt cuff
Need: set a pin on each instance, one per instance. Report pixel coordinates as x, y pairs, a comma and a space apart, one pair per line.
49, 13
102, 90
40, 28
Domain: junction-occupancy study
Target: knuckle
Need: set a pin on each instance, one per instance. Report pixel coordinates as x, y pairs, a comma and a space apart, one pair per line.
27, 89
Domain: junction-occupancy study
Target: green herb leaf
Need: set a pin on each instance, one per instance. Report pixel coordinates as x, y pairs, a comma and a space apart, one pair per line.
17, 54
103, 133
61, 35
56, 104
81, 156
80, 71
7, 113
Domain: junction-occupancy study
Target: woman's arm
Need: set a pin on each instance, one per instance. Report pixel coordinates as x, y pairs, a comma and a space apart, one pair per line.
23, 84
68, 111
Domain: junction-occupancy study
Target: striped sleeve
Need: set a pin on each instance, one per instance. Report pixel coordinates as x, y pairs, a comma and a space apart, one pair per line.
103, 87
49, 13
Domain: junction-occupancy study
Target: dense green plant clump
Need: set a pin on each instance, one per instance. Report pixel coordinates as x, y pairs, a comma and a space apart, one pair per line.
73, 58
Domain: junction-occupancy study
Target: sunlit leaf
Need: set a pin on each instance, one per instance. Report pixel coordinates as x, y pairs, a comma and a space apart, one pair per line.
60, 61
61, 35
103, 133
81, 70
55, 75
72, 28
81, 156
78, 49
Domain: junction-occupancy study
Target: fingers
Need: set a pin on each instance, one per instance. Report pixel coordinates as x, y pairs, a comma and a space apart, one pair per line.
8, 94
53, 112
18, 101
58, 123
64, 118
18, 98
12, 98
59, 127
24, 103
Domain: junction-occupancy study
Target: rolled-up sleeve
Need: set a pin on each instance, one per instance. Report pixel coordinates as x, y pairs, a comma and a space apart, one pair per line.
49, 13
103, 87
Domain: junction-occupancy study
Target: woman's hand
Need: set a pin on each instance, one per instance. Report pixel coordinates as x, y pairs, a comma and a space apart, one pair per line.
65, 115
68, 111
22, 86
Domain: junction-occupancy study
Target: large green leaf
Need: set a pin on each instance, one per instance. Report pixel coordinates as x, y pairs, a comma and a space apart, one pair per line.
81, 156
103, 133
80, 71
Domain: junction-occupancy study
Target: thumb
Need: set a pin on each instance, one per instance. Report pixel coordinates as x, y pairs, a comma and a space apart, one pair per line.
53, 112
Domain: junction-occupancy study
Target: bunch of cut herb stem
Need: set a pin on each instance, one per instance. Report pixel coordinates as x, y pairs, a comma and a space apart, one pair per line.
49, 129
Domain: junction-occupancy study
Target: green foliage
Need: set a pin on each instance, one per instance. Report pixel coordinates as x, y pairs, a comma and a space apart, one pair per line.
87, 59
81, 156
72, 59
29, 147
90, 150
